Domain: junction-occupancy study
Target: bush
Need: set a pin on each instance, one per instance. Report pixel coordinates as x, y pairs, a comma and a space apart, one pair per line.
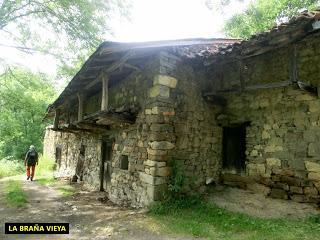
10, 167
176, 199
315, 219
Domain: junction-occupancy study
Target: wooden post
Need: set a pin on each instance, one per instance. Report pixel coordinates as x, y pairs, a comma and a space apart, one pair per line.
80, 106
104, 99
242, 85
56, 119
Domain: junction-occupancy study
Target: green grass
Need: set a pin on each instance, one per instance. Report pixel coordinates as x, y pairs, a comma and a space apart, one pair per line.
202, 219
44, 171
15, 197
66, 190
47, 181
45, 167
10, 167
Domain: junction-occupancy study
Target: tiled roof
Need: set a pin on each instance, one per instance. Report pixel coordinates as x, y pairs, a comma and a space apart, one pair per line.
297, 28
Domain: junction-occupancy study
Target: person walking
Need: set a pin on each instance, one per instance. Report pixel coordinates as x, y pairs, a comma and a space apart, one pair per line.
30, 161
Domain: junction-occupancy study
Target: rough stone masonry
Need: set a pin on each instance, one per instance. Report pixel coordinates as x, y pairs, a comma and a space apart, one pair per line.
175, 122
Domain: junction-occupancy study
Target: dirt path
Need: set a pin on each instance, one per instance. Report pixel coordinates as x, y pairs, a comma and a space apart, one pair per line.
89, 217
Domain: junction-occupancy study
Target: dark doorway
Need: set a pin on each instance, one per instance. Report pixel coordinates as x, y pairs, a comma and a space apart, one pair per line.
105, 167
234, 147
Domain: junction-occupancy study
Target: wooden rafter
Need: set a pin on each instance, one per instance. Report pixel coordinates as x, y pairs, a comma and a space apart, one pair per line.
110, 69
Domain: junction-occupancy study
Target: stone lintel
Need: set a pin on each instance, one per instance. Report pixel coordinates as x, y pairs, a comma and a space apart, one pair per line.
146, 178
165, 80
159, 90
151, 163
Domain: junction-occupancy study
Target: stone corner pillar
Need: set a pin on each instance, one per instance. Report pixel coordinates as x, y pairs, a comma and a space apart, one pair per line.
160, 115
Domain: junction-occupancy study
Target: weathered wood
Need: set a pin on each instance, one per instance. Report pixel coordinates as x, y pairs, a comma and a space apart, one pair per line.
80, 106
268, 85
293, 64
105, 92
242, 83
110, 69
92, 126
56, 118
250, 88
127, 65
102, 117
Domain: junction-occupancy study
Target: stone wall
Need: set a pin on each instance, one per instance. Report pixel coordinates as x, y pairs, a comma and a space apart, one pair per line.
282, 152
70, 145
198, 138
147, 143
175, 123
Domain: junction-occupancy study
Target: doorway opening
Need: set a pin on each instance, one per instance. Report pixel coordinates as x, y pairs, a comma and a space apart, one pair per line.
105, 167
234, 147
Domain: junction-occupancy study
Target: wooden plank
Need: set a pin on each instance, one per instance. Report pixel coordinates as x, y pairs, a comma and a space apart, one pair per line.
56, 119
268, 85
250, 88
293, 63
105, 90
242, 83
110, 69
80, 106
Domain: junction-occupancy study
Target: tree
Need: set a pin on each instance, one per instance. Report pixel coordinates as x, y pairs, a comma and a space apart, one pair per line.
24, 97
66, 29
262, 15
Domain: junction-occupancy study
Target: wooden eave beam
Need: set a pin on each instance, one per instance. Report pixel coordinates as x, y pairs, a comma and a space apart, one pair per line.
105, 92
80, 105
110, 69
56, 119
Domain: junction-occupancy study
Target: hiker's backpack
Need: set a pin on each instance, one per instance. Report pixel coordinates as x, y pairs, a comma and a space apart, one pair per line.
32, 154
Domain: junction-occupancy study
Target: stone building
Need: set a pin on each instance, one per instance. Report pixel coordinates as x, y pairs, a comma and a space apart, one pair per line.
242, 113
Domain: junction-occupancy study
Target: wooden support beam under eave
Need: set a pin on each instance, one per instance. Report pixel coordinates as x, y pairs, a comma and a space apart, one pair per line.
105, 92
56, 119
80, 106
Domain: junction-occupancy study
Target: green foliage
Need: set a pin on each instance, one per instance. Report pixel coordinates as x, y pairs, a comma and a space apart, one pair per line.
14, 194
10, 167
315, 219
175, 199
24, 97
204, 219
68, 30
177, 179
262, 15
46, 166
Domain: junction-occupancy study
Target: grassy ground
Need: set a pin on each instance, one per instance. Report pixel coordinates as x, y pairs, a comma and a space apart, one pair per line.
15, 197
10, 167
202, 219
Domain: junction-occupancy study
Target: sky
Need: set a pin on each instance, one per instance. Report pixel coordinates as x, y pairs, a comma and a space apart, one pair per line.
173, 19
149, 20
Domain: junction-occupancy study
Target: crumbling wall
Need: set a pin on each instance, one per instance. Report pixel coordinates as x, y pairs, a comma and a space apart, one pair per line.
70, 145
282, 153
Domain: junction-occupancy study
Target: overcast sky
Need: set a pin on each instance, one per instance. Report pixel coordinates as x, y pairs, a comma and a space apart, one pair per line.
150, 20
